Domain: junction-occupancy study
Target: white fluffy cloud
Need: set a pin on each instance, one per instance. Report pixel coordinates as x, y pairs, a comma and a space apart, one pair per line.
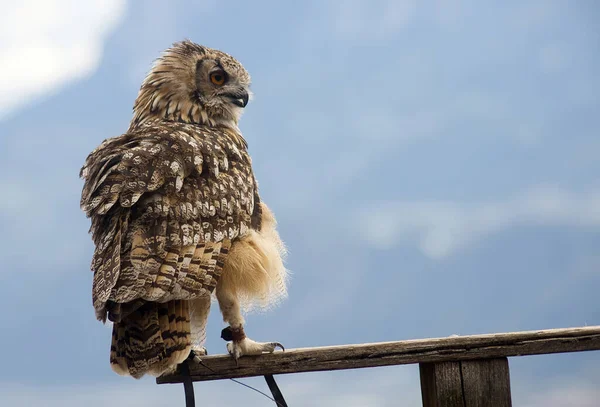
46, 44
443, 227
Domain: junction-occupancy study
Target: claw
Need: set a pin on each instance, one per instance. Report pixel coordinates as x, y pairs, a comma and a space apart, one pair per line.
276, 345
247, 346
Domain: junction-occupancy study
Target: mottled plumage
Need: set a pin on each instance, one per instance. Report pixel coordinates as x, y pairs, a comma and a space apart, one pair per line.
176, 213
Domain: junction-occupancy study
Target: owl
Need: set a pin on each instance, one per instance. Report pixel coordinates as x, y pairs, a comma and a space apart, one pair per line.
176, 217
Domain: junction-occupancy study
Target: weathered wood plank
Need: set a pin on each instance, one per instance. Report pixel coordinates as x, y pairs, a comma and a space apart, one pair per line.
468, 383
441, 384
486, 382
454, 348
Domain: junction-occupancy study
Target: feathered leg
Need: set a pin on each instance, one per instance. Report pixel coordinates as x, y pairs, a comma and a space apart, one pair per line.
199, 310
240, 345
252, 272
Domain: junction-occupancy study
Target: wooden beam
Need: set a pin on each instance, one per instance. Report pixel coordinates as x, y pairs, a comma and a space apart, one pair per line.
486, 382
468, 383
441, 384
454, 348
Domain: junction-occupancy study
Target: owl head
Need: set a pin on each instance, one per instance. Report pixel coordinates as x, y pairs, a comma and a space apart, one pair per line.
193, 84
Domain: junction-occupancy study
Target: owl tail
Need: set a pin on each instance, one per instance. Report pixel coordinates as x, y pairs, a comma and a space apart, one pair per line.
153, 339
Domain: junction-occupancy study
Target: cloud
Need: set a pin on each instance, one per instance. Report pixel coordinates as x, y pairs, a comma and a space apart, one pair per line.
46, 44
444, 227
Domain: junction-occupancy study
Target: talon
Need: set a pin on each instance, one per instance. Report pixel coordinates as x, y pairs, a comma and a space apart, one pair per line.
234, 350
247, 346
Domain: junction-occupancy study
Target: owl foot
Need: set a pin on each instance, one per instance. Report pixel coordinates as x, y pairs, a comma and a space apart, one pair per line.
240, 345
249, 347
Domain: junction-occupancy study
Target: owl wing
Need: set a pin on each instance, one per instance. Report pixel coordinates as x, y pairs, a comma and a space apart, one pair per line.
165, 203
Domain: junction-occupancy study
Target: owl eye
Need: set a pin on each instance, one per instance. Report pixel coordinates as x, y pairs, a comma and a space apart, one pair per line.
218, 78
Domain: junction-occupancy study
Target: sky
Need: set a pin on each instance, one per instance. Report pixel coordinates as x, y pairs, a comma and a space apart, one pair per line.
433, 166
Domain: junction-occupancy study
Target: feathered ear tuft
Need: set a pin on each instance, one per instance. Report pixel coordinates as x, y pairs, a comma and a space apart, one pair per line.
186, 48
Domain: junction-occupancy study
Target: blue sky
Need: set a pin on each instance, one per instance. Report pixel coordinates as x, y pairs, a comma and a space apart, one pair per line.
433, 166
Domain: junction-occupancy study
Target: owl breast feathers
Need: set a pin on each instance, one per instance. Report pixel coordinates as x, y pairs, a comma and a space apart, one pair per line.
174, 206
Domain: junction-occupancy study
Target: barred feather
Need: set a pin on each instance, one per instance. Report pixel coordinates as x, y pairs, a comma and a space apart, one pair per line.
150, 340
168, 210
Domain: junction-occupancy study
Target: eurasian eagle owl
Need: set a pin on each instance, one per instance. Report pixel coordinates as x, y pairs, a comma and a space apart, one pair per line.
176, 215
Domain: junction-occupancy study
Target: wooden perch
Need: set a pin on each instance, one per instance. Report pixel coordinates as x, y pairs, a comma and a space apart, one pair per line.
450, 349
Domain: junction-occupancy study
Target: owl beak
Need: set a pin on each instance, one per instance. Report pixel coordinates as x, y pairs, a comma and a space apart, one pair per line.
239, 97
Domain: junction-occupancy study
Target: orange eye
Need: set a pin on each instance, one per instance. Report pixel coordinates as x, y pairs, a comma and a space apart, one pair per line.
218, 78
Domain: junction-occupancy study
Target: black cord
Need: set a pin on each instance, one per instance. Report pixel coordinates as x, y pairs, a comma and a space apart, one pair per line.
278, 398
260, 392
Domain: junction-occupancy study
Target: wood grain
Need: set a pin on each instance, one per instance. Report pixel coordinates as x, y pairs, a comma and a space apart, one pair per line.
468, 383
486, 383
456, 348
441, 384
